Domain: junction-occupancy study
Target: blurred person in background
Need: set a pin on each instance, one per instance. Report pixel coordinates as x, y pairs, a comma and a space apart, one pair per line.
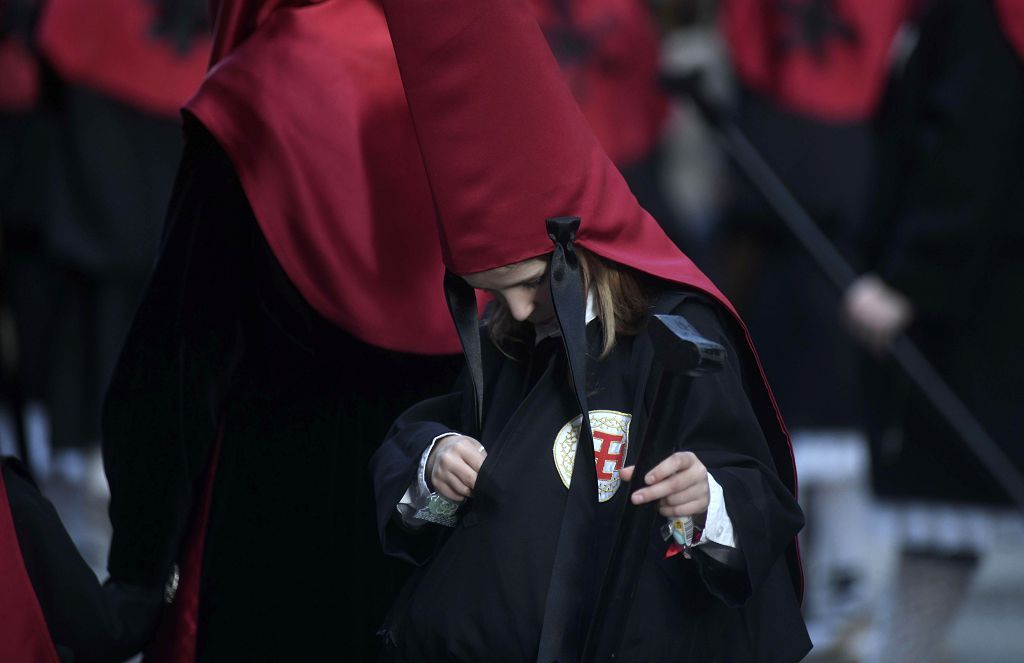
89, 136
811, 76
293, 313
943, 257
118, 71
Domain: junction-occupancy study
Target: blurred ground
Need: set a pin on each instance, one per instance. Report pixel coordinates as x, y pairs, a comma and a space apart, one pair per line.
989, 628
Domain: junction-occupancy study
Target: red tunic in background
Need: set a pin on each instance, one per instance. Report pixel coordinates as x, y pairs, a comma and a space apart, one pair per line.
19, 76
24, 635
609, 52
1011, 15
19, 71
107, 45
306, 100
825, 58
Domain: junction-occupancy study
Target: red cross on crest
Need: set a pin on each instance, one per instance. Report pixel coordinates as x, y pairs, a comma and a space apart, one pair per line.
607, 454
611, 440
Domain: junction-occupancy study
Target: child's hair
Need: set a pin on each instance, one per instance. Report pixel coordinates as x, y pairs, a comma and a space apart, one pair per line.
620, 298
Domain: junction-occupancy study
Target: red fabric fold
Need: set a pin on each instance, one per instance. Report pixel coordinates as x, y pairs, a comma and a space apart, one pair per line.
176, 638
306, 99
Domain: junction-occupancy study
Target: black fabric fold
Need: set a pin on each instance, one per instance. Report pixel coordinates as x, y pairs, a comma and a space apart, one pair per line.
566, 608
461, 300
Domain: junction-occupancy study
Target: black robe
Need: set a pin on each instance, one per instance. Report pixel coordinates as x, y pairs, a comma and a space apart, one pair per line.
480, 591
291, 567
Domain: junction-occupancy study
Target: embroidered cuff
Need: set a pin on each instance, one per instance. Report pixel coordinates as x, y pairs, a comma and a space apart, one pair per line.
717, 525
418, 505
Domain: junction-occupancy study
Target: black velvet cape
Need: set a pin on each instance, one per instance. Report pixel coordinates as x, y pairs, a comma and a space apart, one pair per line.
291, 566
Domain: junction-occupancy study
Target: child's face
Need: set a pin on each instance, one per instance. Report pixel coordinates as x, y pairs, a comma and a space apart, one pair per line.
521, 287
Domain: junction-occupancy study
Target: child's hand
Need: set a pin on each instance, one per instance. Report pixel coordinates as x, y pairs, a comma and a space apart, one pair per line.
679, 483
453, 465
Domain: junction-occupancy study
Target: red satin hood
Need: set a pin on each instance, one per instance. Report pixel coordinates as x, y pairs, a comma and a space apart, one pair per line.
306, 99
506, 145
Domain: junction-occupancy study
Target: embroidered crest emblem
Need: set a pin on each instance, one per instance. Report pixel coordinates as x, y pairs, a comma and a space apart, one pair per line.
611, 437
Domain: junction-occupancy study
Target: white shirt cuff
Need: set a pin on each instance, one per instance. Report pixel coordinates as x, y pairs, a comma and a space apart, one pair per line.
718, 526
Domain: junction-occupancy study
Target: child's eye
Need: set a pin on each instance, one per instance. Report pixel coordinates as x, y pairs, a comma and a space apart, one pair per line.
533, 285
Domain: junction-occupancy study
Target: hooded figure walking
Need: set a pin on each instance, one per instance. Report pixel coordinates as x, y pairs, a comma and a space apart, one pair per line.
491, 490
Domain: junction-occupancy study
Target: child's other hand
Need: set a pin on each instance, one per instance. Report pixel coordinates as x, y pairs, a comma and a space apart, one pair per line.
679, 484
453, 466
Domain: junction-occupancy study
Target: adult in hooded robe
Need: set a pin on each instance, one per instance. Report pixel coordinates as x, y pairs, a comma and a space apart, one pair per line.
293, 312
27, 144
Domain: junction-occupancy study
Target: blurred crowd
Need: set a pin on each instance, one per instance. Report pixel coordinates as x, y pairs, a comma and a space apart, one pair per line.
898, 125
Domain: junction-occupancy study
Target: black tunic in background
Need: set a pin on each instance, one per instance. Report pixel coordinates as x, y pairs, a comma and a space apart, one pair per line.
480, 592
292, 569
107, 193
791, 308
28, 142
